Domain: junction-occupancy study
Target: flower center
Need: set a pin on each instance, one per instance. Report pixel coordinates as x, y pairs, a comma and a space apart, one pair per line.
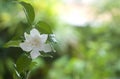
35, 42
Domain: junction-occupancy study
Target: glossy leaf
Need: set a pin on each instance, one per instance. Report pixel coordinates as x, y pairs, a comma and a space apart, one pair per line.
13, 43
23, 63
29, 11
44, 27
33, 65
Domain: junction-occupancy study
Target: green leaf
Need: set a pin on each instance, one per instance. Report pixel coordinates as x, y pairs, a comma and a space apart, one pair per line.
29, 11
23, 63
33, 65
44, 27
13, 43
37, 63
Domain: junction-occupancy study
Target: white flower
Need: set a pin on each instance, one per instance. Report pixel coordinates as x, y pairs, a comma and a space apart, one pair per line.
34, 43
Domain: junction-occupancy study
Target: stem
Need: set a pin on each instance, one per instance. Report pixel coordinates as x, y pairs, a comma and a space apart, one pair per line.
28, 74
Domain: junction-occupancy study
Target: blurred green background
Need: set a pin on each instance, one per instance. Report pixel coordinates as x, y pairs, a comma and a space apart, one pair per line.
87, 31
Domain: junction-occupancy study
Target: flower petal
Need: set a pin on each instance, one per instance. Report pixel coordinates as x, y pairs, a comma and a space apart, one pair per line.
34, 54
46, 48
27, 36
34, 32
43, 38
26, 46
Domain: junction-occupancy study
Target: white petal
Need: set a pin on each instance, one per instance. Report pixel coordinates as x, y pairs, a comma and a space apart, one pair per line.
34, 32
46, 48
34, 54
25, 46
27, 36
43, 38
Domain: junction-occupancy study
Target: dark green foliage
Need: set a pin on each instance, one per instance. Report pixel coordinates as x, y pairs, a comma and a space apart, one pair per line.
43, 27
23, 63
12, 44
29, 11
